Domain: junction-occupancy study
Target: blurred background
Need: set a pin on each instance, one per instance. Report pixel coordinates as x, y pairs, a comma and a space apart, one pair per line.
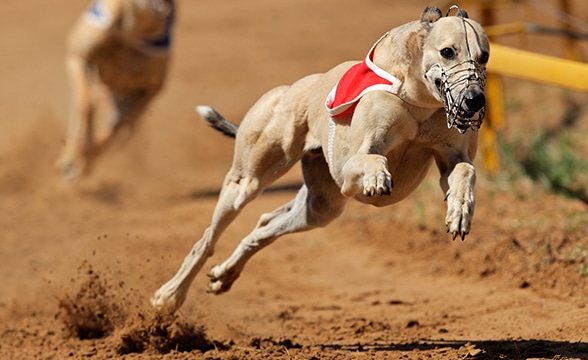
149, 198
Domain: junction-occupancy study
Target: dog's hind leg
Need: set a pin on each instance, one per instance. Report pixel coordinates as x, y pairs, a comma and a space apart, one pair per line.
236, 192
173, 293
317, 203
262, 155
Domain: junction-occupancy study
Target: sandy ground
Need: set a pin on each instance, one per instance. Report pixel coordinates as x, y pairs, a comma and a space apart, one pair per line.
79, 263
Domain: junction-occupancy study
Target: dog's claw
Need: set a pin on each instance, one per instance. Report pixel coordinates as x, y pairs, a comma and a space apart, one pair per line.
379, 184
455, 233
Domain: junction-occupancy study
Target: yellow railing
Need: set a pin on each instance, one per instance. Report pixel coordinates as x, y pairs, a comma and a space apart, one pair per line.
537, 67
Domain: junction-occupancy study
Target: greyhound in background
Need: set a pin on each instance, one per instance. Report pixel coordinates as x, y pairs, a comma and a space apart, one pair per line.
123, 45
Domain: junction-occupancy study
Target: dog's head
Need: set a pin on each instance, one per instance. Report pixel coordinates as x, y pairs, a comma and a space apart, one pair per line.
455, 52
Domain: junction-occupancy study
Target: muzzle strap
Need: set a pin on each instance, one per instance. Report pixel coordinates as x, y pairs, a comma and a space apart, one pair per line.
458, 77
453, 78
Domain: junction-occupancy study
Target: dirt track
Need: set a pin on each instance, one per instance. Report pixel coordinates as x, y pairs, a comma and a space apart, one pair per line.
376, 284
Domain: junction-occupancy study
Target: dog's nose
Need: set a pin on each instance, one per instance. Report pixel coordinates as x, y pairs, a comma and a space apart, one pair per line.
475, 100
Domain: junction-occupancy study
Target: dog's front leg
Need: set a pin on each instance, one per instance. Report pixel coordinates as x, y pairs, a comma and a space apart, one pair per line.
84, 40
454, 157
458, 184
72, 158
375, 129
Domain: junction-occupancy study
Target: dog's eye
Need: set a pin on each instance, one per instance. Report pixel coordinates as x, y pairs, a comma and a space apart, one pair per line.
448, 53
484, 58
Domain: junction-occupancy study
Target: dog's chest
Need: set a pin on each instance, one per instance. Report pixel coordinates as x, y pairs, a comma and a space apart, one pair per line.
143, 26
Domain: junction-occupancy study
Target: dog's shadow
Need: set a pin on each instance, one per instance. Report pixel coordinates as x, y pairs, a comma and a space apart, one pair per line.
483, 349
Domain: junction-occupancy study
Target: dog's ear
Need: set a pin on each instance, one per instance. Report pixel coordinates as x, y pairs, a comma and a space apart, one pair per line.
431, 14
463, 14
460, 12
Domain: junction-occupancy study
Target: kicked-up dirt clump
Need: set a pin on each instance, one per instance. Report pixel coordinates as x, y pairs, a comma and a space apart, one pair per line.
161, 331
100, 310
92, 312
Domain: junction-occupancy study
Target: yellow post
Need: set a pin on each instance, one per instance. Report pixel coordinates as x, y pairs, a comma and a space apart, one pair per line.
571, 51
494, 107
494, 122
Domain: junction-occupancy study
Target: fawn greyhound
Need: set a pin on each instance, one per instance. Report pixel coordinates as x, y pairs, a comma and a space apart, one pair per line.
367, 130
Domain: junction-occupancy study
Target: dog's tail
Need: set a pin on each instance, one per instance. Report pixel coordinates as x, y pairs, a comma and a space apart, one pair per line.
217, 121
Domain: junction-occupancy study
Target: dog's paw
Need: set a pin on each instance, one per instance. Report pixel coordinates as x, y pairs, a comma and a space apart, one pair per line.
168, 298
221, 280
377, 180
377, 183
367, 174
460, 211
161, 302
70, 168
